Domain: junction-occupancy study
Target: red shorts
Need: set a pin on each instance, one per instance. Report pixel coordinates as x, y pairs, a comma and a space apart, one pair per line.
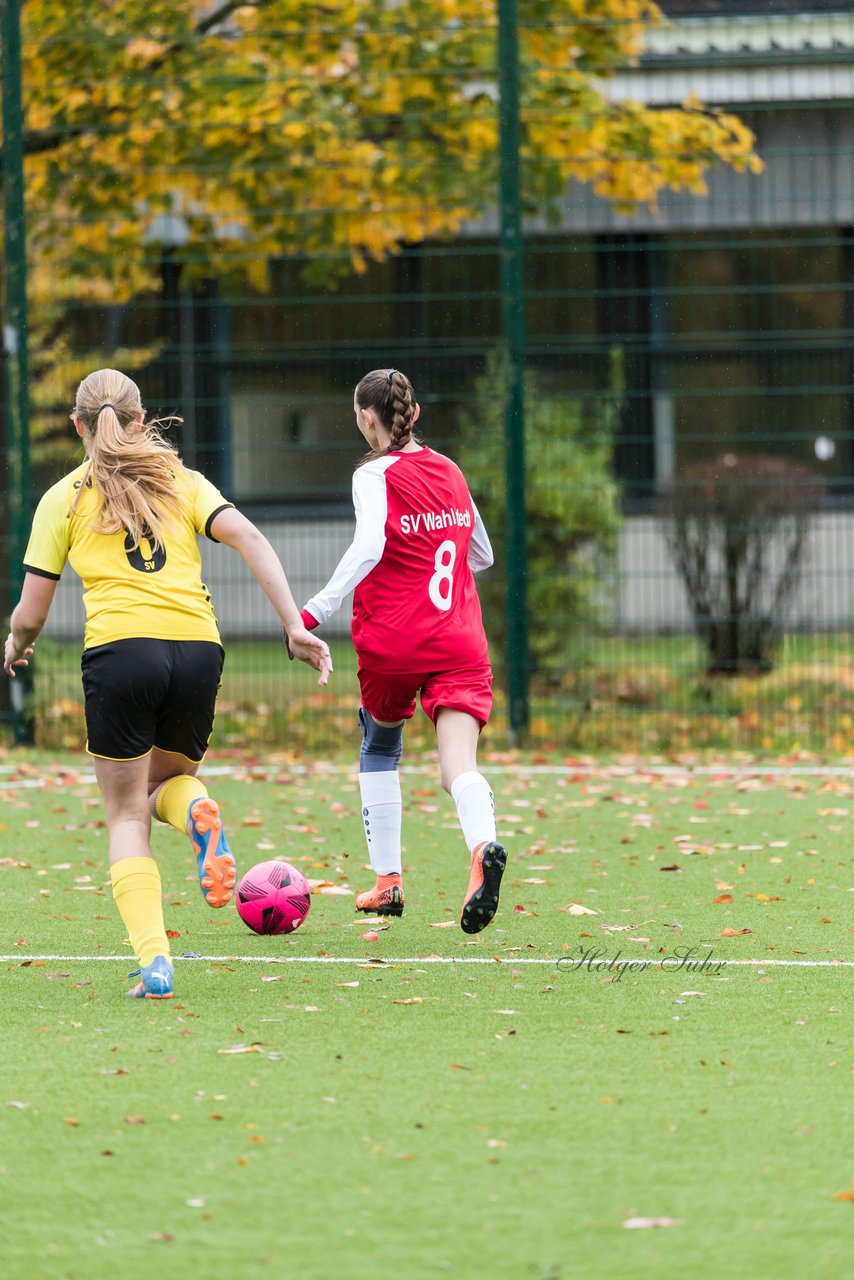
391, 697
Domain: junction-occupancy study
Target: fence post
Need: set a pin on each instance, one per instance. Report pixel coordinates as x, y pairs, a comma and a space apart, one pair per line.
513, 336
15, 340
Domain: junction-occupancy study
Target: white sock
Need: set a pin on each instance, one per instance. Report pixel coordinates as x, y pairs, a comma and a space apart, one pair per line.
475, 803
382, 814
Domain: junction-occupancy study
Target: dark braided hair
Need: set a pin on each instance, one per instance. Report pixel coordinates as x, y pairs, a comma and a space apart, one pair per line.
389, 393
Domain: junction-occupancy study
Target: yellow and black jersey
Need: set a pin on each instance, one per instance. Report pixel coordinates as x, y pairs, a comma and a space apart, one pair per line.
130, 592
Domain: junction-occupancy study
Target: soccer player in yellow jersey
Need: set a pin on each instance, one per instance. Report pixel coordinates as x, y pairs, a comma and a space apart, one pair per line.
127, 521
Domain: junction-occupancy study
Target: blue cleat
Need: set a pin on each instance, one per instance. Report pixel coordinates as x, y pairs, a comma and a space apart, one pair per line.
155, 980
217, 868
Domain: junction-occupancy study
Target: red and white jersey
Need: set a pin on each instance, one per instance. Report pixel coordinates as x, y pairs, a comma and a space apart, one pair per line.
418, 541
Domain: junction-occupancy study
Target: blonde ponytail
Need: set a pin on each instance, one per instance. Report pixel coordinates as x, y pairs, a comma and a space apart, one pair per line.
131, 466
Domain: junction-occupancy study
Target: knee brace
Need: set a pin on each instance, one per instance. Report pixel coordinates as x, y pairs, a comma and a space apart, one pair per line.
381, 746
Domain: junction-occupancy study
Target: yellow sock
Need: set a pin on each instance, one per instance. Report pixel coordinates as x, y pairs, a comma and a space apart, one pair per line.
139, 898
175, 797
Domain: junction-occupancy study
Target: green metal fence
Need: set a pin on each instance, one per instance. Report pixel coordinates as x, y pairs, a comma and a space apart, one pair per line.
634, 346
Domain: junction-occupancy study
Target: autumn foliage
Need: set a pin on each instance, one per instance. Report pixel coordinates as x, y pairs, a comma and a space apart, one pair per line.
339, 131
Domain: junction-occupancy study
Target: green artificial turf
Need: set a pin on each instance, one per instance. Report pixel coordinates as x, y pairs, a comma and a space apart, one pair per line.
394, 1116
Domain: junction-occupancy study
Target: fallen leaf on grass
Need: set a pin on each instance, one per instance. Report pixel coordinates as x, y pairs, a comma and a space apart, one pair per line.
734, 933
444, 924
255, 1047
576, 909
640, 1224
844, 1195
410, 1000
723, 897
134, 1119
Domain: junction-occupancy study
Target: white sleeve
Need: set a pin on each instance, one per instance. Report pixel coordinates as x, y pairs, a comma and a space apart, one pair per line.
480, 548
370, 503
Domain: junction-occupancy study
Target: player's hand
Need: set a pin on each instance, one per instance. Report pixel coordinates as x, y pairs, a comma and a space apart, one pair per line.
14, 657
311, 649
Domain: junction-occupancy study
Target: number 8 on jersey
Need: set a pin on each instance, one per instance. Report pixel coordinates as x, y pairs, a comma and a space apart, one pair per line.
441, 587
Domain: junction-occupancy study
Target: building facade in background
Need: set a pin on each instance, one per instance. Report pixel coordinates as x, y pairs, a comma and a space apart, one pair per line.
733, 312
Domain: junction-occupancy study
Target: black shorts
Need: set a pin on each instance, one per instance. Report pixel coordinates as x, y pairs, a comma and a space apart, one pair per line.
144, 693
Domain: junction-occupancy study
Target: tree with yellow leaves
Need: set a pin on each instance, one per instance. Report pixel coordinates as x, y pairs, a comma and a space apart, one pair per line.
339, 130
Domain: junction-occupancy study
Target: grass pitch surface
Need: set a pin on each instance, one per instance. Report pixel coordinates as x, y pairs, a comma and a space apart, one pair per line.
582, 1090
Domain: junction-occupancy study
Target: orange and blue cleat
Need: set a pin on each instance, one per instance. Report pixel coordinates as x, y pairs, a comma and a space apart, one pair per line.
385, 899
217, 867
481, 901
155, 980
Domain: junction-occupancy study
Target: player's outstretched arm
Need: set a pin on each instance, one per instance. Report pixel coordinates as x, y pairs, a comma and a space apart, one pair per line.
364, 552
28, 618
232, 528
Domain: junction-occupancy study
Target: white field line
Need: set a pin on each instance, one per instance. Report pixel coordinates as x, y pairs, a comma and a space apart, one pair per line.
615, 771
668, 965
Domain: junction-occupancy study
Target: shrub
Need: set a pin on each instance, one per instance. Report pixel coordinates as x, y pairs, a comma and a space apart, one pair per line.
736, 527
571, 507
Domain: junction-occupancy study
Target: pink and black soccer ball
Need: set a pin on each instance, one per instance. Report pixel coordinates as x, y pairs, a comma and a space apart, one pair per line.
273, 897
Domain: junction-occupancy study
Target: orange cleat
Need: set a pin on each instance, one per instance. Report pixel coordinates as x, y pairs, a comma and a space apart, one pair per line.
215, 861
385, 899
481, 902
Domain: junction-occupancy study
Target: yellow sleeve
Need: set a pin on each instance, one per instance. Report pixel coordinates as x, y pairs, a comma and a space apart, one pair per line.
47, 549
208, 502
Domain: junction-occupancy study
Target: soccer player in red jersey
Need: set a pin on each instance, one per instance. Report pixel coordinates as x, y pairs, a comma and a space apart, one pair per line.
417, 629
